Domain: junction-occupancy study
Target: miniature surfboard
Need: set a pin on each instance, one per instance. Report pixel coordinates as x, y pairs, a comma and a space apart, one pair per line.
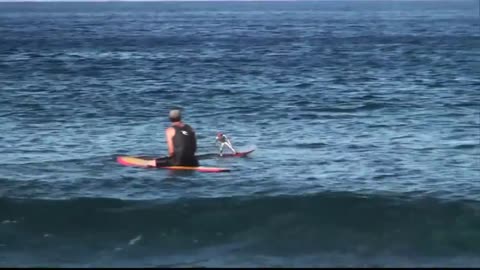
238, 154
209, 155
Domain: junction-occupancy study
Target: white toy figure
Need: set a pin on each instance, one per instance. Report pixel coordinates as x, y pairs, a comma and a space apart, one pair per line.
223, 140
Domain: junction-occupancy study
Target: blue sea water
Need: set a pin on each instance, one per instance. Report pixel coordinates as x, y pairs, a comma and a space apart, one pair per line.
365, 116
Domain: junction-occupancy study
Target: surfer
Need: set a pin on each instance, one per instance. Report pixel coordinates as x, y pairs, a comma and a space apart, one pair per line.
223, 140
181, 142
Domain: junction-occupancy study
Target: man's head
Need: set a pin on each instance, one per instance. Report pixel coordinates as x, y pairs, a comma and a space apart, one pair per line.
175, 115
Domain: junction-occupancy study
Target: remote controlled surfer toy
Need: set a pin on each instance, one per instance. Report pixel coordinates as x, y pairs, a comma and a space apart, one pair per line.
223, 140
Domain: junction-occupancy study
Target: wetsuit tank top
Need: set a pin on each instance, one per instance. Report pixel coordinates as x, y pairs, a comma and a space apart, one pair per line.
185, 145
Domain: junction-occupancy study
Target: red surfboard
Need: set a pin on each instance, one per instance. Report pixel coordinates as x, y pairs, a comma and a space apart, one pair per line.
140, 162
238, 154
209, 155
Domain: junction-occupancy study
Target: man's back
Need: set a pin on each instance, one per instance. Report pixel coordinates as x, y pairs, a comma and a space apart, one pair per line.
185, 145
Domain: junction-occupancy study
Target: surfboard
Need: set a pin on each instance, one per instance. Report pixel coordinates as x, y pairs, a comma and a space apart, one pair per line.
141, 162
238, 154
209, 155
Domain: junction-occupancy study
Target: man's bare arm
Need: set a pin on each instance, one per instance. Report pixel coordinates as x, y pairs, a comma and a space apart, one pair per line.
169, 133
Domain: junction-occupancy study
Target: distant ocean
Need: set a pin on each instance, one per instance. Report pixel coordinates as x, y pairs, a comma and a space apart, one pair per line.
365, 117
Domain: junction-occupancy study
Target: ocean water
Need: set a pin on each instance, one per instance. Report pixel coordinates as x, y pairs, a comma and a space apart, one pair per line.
365, 117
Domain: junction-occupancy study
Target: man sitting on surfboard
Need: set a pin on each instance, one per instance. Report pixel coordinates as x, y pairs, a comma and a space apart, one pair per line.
181, 142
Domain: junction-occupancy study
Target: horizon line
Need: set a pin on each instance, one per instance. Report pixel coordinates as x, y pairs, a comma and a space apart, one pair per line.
90, 1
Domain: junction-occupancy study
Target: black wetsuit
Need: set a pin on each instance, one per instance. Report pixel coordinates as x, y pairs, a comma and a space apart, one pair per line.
185, 146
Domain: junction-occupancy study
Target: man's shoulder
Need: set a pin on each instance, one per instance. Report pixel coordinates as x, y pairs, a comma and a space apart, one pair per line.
190, 127
182, 126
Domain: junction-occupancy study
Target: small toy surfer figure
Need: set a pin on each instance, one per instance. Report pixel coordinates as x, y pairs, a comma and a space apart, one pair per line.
223, 140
